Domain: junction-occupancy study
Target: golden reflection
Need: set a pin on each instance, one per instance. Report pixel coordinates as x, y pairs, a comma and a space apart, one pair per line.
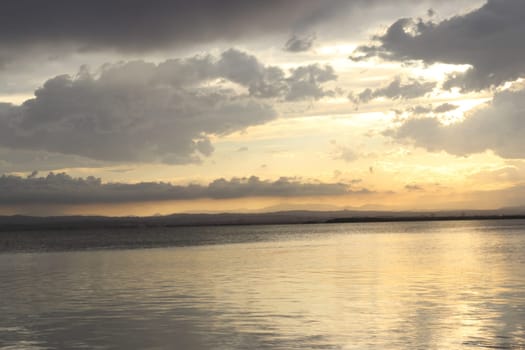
447, 285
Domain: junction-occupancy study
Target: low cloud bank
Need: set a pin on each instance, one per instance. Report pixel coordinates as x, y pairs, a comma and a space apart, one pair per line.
62, 188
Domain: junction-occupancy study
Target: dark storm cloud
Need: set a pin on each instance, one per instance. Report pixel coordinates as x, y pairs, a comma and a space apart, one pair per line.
136, 25
140, 111
489, 39
299, 44
64, 189
395, 90
499, 127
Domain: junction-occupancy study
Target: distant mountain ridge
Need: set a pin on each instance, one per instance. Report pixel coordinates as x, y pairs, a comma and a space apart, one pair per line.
21, 222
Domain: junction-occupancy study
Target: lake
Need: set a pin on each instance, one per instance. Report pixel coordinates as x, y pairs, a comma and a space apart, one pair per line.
418, 285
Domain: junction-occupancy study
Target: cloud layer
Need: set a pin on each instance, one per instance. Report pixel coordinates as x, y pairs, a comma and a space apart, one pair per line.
144, 112
135, 25
64, 189
489, 39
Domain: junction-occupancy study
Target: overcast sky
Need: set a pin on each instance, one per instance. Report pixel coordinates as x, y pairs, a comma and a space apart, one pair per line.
143, 107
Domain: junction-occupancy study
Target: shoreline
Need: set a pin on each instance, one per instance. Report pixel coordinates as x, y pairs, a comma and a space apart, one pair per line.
22, 223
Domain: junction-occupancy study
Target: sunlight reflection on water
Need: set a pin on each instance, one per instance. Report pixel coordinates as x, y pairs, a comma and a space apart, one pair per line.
440, 285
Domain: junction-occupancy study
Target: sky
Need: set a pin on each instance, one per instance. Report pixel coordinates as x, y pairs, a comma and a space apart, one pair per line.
157, 107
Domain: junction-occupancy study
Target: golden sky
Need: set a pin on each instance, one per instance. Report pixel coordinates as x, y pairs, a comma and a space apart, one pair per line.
335, 105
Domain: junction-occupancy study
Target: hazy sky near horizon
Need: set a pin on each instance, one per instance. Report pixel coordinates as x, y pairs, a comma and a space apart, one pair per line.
135, 107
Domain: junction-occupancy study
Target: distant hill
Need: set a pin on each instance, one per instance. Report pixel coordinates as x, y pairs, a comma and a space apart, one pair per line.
20, 222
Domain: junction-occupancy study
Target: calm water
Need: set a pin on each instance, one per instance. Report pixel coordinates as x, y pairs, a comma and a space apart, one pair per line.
448, 285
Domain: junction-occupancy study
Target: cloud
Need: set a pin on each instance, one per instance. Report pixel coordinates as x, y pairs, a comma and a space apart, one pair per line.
489, 39
345, 153
299, 44
445, 107
136, 26
395, 90
143, 112
512, 172
18, 160
305, 82
419, 109
499, 127
413, 187
63, 189
442, 108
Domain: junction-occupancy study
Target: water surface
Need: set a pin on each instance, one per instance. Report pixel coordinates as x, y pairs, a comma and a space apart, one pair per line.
422, 285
